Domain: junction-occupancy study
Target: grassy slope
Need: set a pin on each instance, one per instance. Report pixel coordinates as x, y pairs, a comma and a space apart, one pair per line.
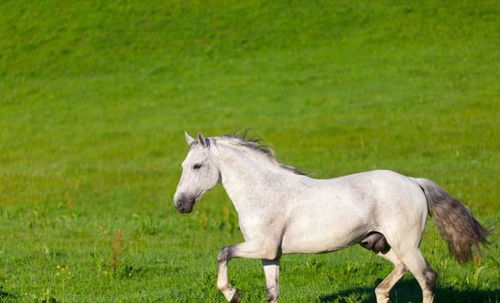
94, 98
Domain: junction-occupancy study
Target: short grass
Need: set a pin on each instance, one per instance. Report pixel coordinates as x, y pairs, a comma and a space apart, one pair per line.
95, 96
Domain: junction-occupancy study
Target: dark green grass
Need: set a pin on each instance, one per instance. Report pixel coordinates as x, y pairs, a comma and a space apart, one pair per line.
95, 96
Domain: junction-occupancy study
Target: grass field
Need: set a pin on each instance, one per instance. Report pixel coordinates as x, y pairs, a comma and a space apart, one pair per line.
95, 96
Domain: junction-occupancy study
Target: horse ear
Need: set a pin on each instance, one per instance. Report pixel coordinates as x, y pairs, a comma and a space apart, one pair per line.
190, 140
201, 140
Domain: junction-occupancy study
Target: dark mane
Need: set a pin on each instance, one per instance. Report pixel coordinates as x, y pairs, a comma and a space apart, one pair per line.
258, 145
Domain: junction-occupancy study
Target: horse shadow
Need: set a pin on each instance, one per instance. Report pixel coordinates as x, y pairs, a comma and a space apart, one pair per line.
409, 291
5, 295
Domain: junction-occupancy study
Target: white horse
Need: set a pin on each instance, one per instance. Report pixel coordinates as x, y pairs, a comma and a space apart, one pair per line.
282, 211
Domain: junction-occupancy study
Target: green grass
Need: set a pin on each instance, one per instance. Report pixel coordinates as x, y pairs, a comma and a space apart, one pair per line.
95, 96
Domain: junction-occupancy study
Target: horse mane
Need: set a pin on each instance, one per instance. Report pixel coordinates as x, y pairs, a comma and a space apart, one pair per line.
256, 144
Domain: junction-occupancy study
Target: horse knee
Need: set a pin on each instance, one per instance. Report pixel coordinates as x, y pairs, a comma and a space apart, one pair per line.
224, 255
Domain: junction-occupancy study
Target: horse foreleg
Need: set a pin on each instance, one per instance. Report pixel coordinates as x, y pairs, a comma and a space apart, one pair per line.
229, 292
253, 250
272, 273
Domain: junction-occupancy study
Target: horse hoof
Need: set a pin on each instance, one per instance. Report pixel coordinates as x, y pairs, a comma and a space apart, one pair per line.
236, 298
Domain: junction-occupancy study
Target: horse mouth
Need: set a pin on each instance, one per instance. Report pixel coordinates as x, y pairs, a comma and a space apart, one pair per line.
185, 205
185, 208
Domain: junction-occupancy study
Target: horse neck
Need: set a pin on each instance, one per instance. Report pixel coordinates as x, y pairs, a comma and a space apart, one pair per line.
248, 179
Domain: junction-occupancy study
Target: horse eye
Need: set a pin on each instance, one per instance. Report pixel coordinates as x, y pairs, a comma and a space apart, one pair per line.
197, 166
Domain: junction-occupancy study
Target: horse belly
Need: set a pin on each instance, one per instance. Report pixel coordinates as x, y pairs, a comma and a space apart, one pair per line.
320, 232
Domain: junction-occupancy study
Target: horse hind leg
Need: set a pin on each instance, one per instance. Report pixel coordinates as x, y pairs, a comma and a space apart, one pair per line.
405, 256
383, 289
421, 270
377, 243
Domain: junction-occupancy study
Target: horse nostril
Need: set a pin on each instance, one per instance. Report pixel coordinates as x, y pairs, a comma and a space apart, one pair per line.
183, 203
183, 206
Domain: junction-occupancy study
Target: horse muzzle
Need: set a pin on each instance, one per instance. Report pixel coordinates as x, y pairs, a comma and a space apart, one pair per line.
184, 204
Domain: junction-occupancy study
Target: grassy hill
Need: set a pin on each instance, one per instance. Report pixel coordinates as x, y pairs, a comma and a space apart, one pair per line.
95, 96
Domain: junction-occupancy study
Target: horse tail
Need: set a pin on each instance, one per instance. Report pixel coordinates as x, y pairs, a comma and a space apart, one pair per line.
454, 221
